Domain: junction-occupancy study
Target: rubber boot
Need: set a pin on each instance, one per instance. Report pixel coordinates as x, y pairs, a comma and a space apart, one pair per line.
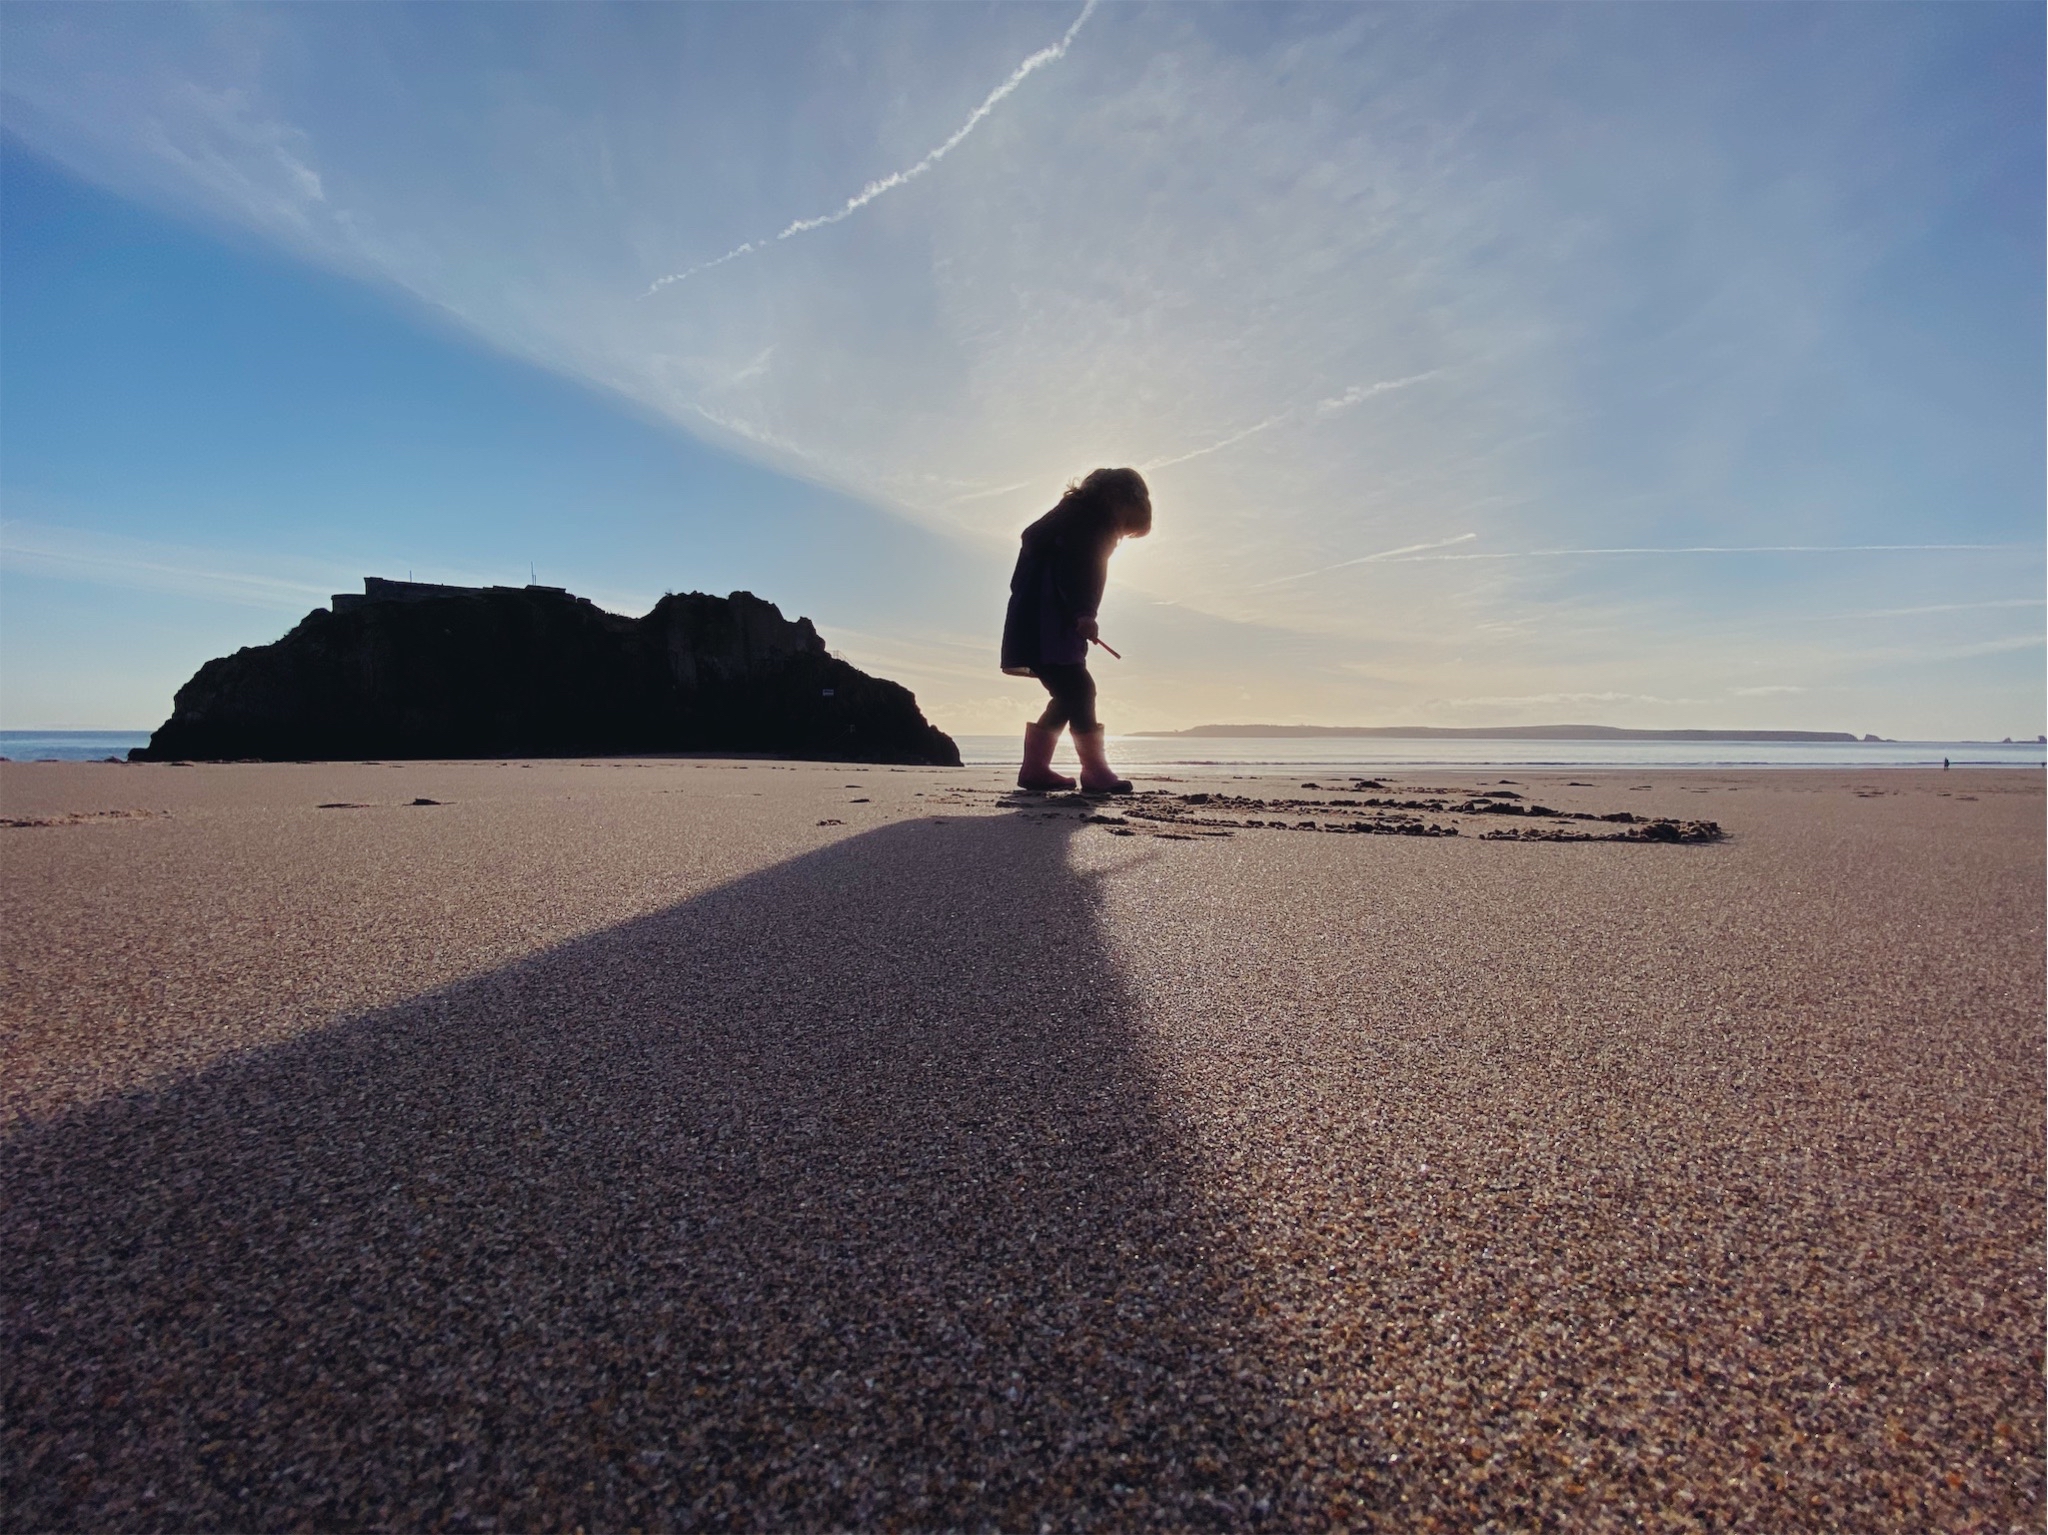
1097, 776
1037, 773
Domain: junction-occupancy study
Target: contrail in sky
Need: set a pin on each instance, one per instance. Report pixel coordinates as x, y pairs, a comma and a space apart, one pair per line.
1412, 554
1327, 407
895, 179
1539, 554
1394, 555
1217, 447
1926, 607
1359, 392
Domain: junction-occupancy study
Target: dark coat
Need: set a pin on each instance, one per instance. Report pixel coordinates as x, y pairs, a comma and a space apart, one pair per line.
1058, 581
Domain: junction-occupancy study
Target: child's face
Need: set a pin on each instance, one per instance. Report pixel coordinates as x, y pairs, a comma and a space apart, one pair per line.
1132, 519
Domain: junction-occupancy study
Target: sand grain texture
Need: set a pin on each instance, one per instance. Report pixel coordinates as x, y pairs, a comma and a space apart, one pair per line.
676, 1145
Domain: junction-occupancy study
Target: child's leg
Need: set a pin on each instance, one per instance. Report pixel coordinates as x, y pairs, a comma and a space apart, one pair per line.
1073, 697
1041, 738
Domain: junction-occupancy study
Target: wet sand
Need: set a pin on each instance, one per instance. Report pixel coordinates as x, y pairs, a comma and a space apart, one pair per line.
748, 1145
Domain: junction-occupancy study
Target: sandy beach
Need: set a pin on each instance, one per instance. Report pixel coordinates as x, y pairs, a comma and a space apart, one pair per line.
673, 1144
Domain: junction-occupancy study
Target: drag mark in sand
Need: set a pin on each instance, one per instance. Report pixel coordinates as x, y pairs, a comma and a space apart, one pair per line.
1424, 813
78, 818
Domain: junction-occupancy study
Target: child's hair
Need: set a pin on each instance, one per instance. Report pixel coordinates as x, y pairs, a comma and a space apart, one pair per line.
1123, 488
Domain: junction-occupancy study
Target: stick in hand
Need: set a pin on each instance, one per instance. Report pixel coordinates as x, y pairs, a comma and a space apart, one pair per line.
1094, 639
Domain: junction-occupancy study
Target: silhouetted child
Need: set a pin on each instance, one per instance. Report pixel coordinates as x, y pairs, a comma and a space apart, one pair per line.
1054, 596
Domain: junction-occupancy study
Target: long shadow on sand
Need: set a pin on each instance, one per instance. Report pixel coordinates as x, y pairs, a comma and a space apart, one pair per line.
840, 1196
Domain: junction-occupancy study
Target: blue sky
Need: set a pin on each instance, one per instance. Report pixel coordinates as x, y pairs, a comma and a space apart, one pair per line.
1650, 365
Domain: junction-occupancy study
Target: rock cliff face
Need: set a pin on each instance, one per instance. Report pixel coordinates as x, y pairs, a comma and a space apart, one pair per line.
411, 670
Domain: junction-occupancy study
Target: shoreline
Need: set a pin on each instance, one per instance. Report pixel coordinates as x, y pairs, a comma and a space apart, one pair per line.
1151, 750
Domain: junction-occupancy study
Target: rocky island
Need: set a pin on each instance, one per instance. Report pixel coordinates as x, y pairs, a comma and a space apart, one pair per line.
410, 670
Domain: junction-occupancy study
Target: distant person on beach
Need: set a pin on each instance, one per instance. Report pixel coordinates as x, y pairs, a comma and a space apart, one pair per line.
1054, 595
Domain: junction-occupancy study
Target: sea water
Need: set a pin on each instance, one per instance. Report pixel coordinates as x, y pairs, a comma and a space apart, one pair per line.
69, 745
1240, 754
1368, 754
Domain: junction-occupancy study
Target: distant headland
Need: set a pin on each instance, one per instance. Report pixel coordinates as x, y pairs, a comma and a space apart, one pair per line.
408, 669
1503, 733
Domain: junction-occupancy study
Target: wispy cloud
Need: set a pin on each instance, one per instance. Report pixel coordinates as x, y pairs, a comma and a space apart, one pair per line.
1769, 690
758, 368
1895, 655
986, 495
895, 179
2011, 642
247, 160
1609, 697
243, 578
739, 427
108, 559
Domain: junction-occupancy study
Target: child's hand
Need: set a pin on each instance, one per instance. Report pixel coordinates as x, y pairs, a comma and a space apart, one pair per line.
1087, 628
